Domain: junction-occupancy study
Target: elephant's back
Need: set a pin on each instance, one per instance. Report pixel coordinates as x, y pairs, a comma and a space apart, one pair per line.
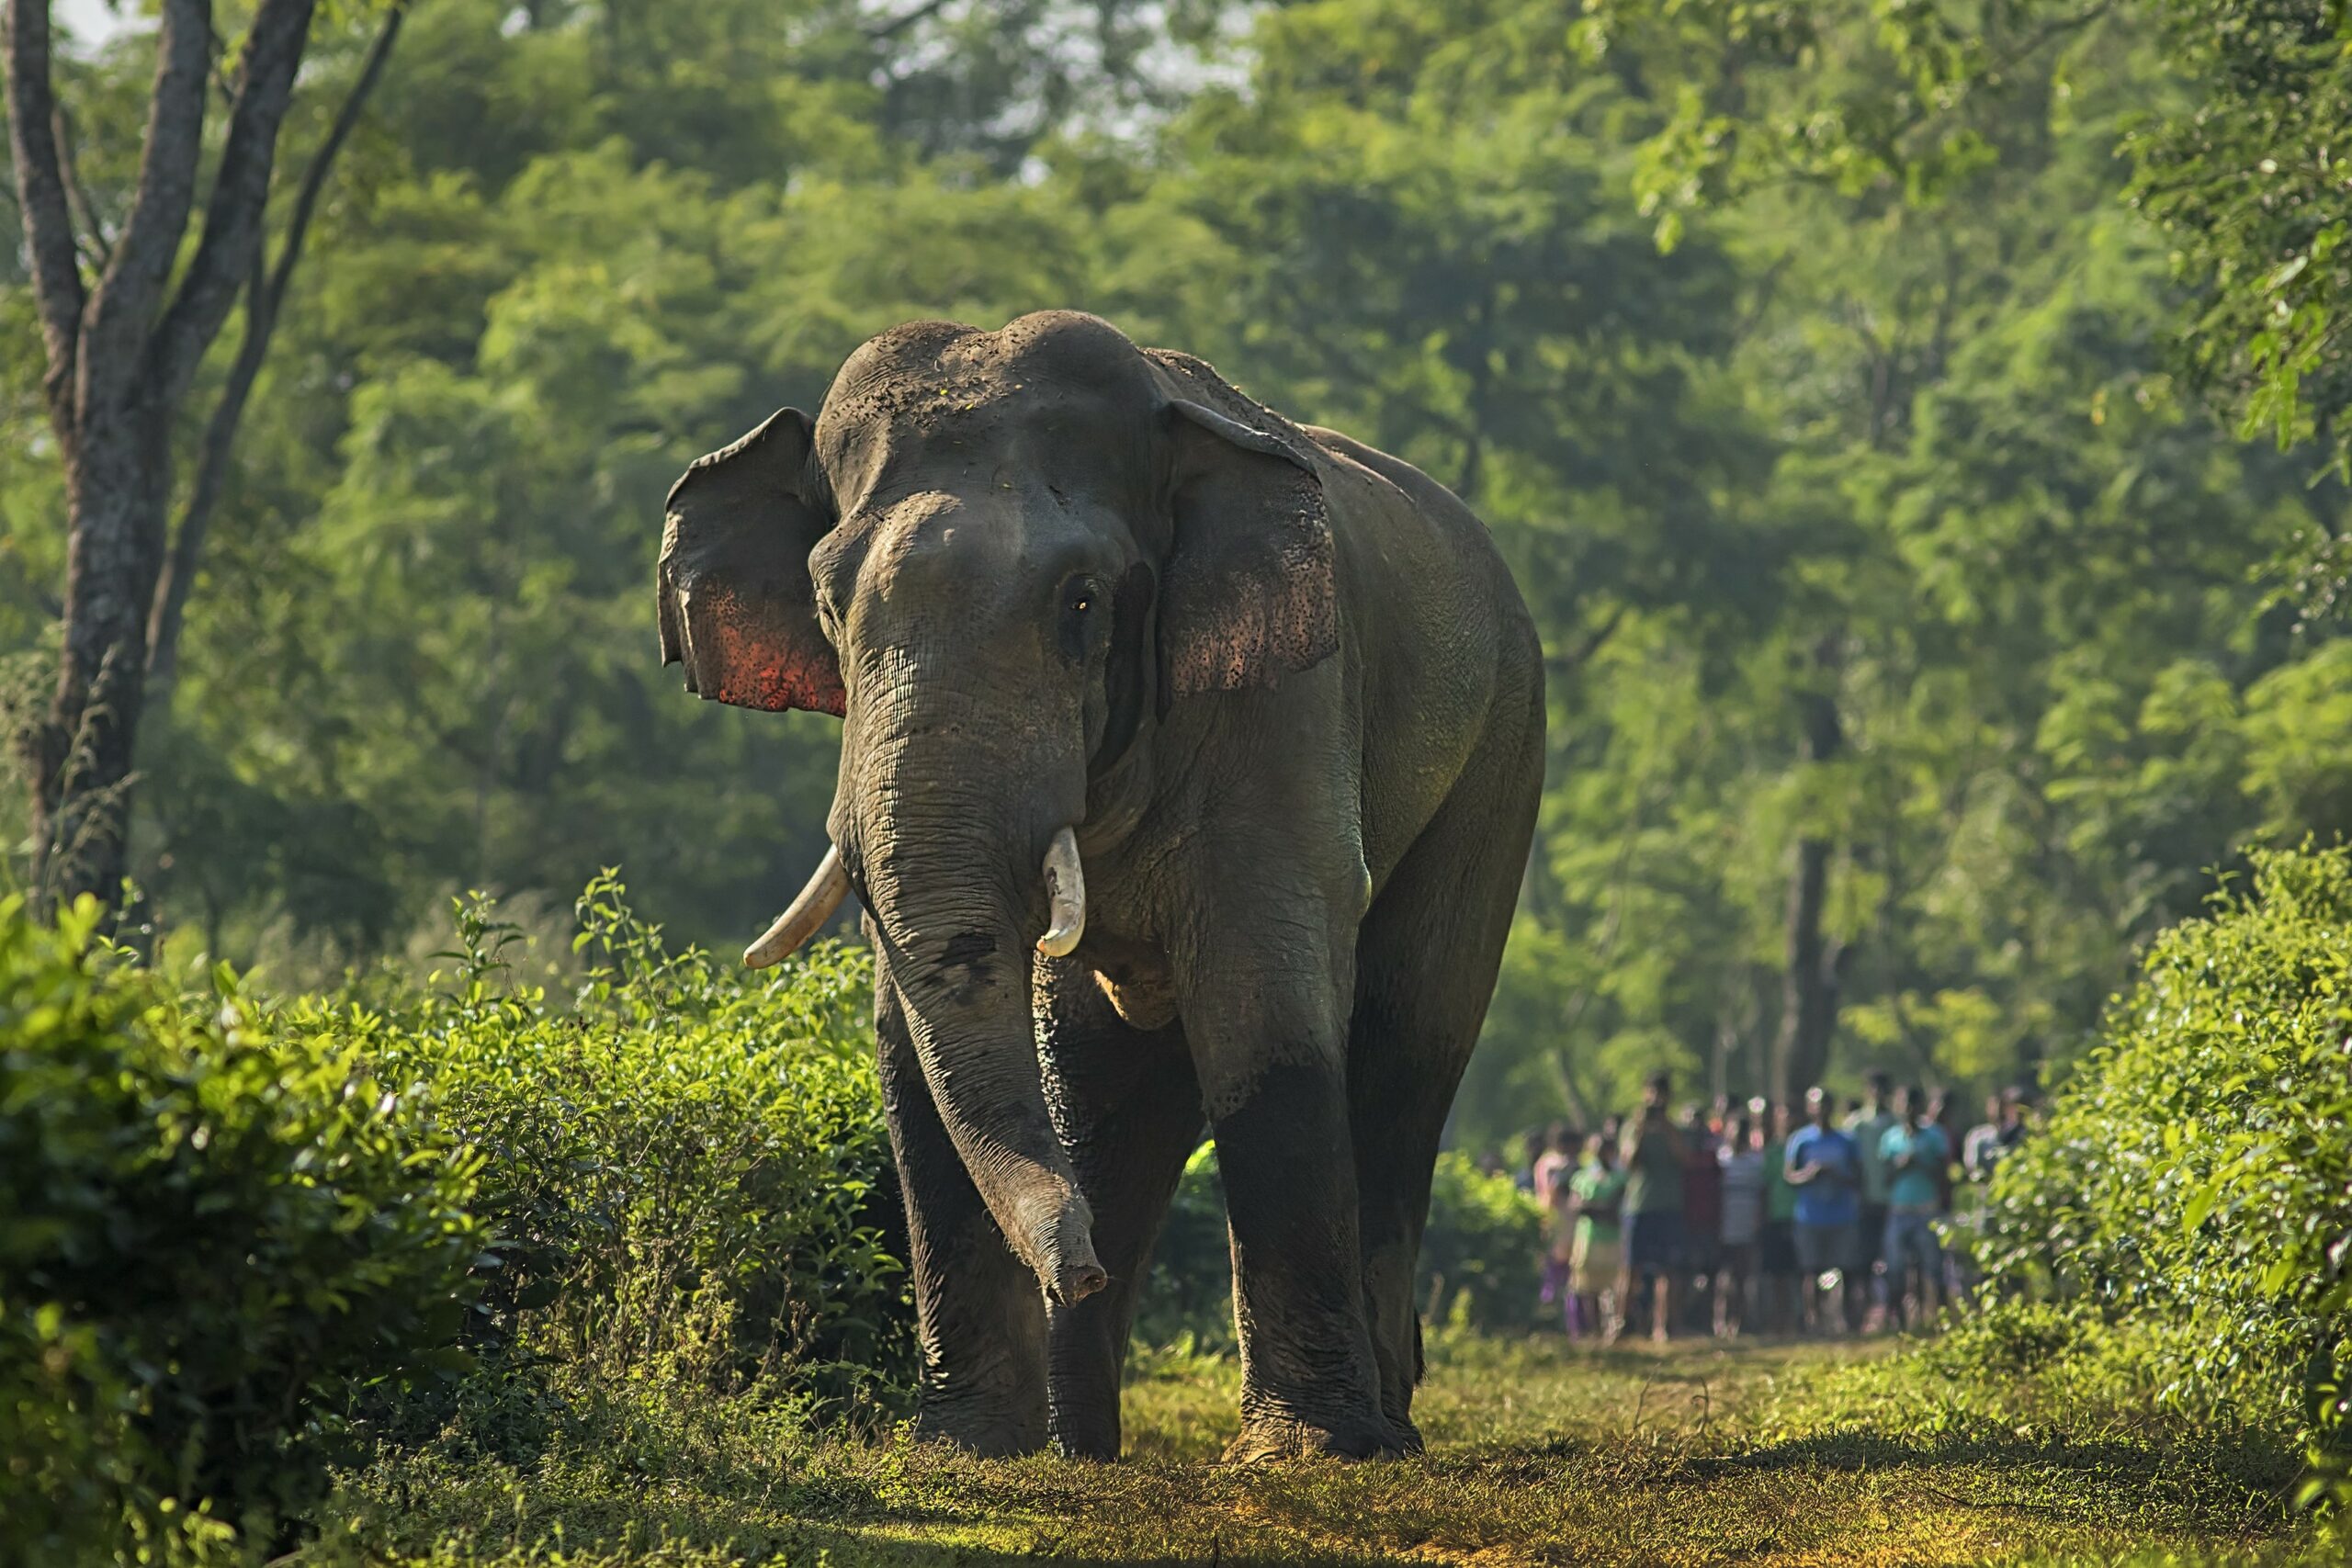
1443, 653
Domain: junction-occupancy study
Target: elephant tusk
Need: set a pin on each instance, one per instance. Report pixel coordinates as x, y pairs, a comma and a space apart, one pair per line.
1066, 890
808, 912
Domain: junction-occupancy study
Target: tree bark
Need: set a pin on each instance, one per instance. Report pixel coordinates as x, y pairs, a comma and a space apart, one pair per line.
1814, 966
122, 353
264, 298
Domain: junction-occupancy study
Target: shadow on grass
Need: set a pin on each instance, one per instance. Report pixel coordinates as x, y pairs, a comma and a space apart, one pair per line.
2236, 1487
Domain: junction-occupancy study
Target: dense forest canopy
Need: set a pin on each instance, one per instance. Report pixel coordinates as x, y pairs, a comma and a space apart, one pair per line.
1919, 642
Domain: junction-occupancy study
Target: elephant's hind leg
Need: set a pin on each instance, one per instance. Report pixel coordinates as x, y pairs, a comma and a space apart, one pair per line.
1129, 1110
1426, 961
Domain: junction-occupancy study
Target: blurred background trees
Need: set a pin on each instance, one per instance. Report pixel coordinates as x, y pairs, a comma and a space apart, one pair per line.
1920, 642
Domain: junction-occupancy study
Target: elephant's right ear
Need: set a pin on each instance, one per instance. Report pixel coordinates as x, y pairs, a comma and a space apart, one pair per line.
737, 607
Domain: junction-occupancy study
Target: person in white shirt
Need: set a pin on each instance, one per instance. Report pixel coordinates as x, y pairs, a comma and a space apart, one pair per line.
1741, 1160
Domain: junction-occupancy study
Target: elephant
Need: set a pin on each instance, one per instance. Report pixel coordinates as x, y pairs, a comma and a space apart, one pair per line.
1190, 761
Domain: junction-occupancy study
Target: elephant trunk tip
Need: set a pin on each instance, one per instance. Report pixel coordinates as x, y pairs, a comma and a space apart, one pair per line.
1060, 1248
1078, 1282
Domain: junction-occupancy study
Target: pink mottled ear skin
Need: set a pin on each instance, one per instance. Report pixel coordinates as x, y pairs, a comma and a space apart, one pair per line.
736, 605
1251, 593
743, 658
1280, 615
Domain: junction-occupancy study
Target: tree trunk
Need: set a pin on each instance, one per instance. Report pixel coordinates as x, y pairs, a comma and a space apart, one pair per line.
1815, 965
117, 483
124, 335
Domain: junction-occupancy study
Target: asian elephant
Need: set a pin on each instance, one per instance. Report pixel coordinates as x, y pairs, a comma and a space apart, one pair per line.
1190, 759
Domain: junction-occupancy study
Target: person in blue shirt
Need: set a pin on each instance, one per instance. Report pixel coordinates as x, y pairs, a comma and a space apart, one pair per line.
1914, 1152
1824, 1167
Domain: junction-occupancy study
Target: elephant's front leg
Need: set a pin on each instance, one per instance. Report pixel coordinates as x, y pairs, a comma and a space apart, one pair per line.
980, 1318
1127, 1109
1269, 1044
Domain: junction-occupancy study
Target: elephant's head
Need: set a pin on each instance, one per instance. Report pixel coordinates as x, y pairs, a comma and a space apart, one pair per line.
1001, 558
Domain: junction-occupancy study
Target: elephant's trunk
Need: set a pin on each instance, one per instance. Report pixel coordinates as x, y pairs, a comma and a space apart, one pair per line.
952, 873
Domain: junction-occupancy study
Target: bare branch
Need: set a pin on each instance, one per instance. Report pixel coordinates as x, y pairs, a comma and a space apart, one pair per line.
40, 197
123, 305
314, 177
1575, 658
232, 219
93, 236
265, 294
892, 27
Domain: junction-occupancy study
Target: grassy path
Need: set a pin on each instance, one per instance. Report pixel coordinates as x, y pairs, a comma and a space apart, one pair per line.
1537, 1455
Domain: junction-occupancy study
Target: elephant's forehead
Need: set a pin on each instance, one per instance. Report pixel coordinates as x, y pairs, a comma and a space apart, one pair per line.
996, 535
1010, 443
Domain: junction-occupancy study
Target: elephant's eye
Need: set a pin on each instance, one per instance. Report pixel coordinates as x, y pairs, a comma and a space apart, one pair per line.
1080, 597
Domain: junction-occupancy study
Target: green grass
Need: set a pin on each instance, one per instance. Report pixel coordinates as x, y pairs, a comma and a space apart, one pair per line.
1538, 1454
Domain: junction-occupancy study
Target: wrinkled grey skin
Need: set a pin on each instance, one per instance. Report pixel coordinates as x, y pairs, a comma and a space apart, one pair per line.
1288, 696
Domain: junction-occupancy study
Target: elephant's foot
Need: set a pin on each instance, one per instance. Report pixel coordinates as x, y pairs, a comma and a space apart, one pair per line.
1267, 1438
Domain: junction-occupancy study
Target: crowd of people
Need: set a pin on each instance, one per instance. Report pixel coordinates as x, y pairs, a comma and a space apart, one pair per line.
1822, 1218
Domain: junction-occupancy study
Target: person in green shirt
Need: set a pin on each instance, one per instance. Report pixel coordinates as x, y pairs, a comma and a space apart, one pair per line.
1596, 1255
1653, 1205
1867, 1126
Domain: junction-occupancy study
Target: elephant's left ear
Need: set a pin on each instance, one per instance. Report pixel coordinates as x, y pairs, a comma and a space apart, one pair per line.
1249, 594
737, 607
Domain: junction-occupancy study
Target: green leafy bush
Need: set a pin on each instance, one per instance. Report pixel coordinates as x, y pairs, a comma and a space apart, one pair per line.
216, 1230
1481, 1256
1189, 1297
685, 1165
2197, 1169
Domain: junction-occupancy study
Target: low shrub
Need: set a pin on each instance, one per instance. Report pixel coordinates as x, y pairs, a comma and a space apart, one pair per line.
217, 1231
1481, 1256
685, 1168
2196, 1170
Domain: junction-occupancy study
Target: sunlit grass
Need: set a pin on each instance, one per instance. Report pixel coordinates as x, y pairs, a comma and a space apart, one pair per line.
1538, 1453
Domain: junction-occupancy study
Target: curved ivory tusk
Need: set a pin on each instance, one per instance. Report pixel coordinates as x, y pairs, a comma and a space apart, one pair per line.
1066, 891
808, 912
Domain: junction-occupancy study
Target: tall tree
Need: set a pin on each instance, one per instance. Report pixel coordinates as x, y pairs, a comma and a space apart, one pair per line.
125, 327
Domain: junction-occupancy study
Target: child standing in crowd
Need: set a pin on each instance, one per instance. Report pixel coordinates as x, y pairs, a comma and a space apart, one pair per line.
1825, 1168
1741, 1164
1596, 1256
1914, 1152
1652, 1148
1550, 1173
1867, 1126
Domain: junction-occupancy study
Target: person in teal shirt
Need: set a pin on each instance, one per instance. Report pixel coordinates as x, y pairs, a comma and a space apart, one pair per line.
1914, 1152
1868, 1125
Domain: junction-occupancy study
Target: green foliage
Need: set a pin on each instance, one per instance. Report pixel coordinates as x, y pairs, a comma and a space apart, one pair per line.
685, 1170
1189, 1298
2195, 1171
1893, 427
2233, 153
1481, 1257
221, 1229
